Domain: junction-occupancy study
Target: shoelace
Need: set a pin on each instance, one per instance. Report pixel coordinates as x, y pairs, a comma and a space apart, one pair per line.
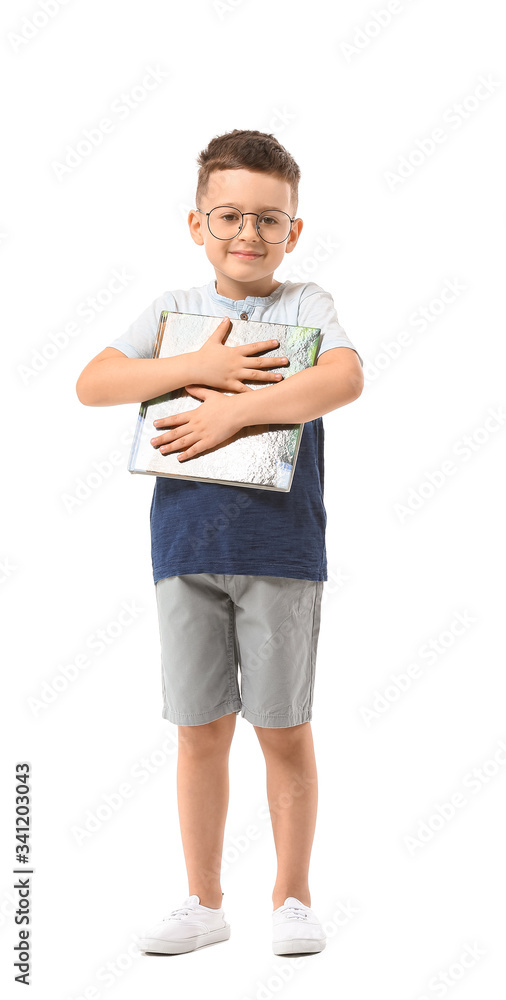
294, 913
179, 913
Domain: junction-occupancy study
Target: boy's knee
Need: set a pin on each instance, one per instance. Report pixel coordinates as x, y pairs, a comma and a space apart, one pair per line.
283, 740
215, 735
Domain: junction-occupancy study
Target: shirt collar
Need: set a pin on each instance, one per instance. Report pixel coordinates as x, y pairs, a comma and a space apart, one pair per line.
236, 304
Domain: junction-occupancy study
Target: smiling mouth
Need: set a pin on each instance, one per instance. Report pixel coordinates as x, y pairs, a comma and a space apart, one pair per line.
245, 253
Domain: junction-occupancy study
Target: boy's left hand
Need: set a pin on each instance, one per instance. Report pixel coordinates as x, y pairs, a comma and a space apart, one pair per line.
195, 431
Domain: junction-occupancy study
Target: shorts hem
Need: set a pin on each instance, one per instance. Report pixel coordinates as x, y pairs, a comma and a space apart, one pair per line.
198, 718
269, 721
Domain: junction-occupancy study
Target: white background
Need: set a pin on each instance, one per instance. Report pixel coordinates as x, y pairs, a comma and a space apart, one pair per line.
400, 569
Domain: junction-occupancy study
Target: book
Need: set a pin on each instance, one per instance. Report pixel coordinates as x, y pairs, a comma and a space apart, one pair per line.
261, 456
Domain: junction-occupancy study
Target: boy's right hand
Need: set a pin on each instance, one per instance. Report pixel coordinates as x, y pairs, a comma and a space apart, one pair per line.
223, 367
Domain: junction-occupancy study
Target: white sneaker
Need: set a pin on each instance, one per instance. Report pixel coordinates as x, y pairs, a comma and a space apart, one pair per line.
188, 927
296, 929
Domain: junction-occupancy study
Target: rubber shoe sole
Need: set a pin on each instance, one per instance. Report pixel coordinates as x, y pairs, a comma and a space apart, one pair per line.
159, 947
298, 946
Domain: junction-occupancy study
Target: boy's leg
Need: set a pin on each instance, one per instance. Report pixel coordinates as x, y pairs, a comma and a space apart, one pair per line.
292, 791
278, 622
202, 792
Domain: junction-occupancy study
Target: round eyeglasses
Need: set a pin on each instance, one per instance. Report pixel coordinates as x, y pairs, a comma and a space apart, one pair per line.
226, 222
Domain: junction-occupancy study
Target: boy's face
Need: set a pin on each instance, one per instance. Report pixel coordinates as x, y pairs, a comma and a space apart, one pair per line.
248, 191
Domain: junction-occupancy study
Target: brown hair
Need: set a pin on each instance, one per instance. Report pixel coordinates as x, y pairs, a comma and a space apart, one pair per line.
252, 151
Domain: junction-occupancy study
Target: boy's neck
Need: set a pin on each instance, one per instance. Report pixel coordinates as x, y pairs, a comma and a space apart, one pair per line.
241, 290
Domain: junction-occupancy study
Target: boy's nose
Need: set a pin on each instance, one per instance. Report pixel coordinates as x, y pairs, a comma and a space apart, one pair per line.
249, 221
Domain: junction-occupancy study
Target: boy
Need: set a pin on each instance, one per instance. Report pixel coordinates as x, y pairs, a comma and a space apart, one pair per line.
237, 569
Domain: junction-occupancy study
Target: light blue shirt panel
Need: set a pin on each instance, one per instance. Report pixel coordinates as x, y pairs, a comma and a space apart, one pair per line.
294, 303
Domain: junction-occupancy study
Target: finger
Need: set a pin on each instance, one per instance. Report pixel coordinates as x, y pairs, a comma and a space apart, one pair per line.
170, 421
195, 449
200, 392
218, 334
243, 388
176, 434
270, 362
175, 422
261, 345
255, 375
180, 444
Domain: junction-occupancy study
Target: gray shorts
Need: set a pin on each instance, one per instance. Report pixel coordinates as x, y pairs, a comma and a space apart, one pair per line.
210, 624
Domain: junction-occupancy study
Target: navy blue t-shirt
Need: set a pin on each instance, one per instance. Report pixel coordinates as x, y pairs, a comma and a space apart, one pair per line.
238, 529
214, 528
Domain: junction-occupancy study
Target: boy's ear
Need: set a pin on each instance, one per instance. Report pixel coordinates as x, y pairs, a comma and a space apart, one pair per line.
194, 223
294, 235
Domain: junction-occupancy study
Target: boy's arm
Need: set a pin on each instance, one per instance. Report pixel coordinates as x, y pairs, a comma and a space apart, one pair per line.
335, 379
112, 377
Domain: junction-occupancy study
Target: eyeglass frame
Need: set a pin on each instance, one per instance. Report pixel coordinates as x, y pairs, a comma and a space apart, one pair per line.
242, 214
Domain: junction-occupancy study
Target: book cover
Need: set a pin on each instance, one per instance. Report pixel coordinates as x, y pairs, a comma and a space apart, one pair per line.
262, 456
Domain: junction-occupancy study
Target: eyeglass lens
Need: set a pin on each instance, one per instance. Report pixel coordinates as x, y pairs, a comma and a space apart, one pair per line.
225, 223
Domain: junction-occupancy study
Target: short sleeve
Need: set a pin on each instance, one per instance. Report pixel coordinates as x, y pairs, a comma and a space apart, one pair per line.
138, 340
316, 308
